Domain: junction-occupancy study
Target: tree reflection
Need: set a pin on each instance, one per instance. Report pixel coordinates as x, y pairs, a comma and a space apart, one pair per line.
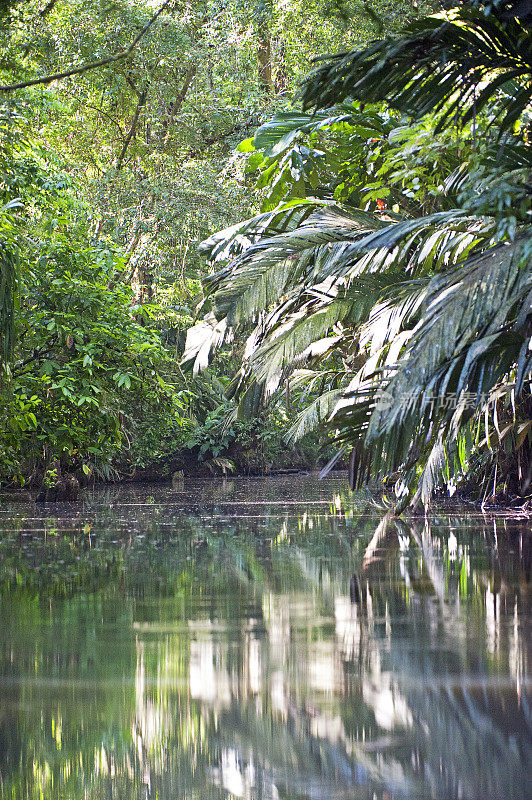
228, 659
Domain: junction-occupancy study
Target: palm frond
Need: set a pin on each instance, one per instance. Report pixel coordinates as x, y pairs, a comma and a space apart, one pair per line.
431, 474
303, 326
332, 242
252, 282
204, 336
313, 416
454, 63
423, 386
473, 330
298, 335
228, 243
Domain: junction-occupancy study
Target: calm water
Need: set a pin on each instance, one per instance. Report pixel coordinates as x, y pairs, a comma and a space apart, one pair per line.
200, 642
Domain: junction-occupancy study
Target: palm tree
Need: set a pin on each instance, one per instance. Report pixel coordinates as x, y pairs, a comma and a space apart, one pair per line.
416, 327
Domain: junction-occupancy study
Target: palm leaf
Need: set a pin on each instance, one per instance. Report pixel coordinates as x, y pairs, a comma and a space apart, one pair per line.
313, 416
474, 333
206, 335
252, 282
436, 65
474, 317
226, 244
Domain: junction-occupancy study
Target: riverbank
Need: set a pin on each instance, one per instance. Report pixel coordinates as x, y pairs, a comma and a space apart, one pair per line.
59, 483
518, 508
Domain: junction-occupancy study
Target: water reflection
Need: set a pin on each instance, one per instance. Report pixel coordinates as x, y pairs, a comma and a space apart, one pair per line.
207, 642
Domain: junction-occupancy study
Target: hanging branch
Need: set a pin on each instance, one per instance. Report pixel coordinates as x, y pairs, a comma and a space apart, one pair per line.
93, 64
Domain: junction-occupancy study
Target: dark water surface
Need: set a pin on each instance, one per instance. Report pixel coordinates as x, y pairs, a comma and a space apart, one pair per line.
200, 642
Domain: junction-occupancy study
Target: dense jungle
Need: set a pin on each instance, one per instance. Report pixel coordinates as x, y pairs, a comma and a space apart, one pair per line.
241, 238
265, 399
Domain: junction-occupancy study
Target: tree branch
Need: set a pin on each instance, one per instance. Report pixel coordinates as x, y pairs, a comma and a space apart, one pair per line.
220, 137
37, 354
103, 113
47, 9
178, 102
142, 100
11, 87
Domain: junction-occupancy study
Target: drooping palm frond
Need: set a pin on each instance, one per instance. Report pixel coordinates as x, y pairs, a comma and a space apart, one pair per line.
398, 288
333, 242
289, 283
314, 415
323, 319
474, 332
454, 63
225, 245
304, 332
202, 338
332, 270
252, 282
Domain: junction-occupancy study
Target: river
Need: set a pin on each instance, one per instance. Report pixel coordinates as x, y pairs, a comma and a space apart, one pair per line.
266, 639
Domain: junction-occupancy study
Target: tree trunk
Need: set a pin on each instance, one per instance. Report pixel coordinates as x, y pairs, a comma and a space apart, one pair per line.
264, 56
281, 77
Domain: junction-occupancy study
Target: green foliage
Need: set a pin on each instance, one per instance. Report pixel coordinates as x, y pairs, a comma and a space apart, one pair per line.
8, 281
111, 176
83, 366
86, 361
225, 442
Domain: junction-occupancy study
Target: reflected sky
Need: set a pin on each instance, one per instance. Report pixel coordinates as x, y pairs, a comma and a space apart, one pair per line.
262, 639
